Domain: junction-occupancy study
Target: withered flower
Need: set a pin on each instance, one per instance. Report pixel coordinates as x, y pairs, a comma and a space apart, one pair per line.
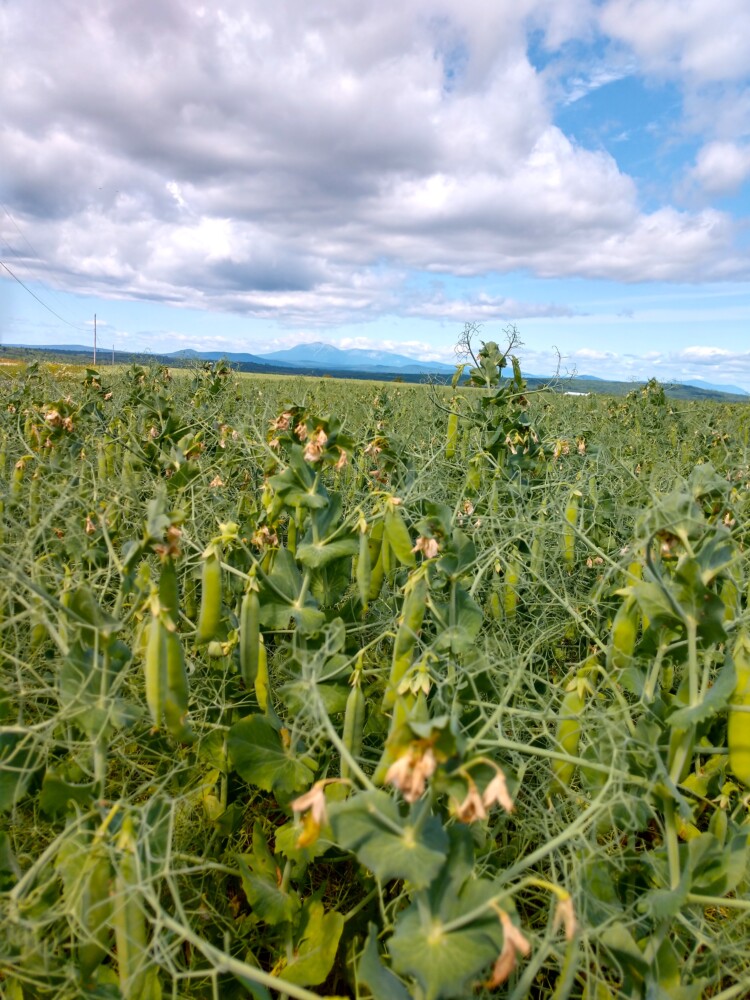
472, 807
427, 546
282, 422
410, 772
497, 791
264, 537
514, 944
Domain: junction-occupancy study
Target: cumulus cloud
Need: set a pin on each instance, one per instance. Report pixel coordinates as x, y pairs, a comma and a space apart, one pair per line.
705, 41
721, 167
298, 161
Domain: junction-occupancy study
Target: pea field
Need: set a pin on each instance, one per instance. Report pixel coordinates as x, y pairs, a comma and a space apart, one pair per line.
320, 688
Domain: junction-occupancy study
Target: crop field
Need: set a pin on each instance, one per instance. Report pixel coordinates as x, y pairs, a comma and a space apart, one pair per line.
319, 688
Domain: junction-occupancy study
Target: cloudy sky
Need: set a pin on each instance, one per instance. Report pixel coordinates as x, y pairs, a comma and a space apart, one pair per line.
248, 175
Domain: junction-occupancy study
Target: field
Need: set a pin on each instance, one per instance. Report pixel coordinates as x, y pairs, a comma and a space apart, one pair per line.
318, 688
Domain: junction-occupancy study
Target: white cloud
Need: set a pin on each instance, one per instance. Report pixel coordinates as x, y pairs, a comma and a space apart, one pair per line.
721, 167
297, 161
705, 41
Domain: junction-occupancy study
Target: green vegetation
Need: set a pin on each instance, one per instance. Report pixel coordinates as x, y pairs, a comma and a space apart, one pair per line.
318, 688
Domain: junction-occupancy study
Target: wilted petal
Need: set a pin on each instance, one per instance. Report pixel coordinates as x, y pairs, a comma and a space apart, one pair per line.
313, 800
472, 807
497, 791
565, 916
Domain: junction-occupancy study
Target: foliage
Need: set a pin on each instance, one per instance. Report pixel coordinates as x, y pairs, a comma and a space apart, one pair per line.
327, 690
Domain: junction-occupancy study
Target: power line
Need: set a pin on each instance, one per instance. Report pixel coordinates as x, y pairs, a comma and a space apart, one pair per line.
20, 233
41, 301
25, 260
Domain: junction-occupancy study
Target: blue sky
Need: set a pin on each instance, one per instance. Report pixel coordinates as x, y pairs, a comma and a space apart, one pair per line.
250, 176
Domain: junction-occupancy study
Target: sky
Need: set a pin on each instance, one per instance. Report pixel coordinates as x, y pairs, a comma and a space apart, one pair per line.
246, 176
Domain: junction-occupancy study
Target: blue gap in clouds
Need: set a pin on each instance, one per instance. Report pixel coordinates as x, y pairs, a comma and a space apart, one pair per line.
638, 125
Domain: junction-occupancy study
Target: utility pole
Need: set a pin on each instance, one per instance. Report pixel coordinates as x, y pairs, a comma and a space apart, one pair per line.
94, 338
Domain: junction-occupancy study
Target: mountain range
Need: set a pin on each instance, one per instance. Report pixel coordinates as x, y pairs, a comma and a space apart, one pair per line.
319, 357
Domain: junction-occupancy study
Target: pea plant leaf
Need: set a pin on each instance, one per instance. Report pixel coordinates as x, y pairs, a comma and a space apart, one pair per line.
371, 825
445, 961
379, 979
313, 555
315, 955
268, 900
19, 759
260, 755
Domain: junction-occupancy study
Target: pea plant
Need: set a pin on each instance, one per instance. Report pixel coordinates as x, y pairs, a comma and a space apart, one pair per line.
304, 695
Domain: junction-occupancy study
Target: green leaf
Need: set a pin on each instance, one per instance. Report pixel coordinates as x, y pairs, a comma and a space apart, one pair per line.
468, 617
621, 943
398, 538
314, 957
285, 843
268, 900
653, 602
19, 759
296, 696
10, 870
279, 597
379, 980
260, 756
663, 904
370, 825
716, 868
56, 794
445, 962
715, 701
86, 608
317, 554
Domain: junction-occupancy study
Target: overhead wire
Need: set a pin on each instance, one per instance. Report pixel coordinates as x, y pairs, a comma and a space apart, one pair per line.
36, 253
41, 301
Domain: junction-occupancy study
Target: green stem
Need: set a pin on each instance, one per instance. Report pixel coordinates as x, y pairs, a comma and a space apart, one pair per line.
672, 843
227, 963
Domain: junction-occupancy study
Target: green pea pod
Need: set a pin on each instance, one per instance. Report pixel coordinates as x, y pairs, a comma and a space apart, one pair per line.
568, 736
739, 721
397, 536
730, 597
261, 678
178, 691
364, 568
452, 436
209, 617
624, 634
510, 584
412, 616
496, 607
155, 668
386, 558
169, 591
129, 918
569, 535
354, 723
398, 736
474, 473
250, 634
95, 908
376, 561
101, 462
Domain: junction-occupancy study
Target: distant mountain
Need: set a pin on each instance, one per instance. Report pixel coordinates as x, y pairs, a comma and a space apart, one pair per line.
319, 355
189, 354
590, 378
73, 348
700, 383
